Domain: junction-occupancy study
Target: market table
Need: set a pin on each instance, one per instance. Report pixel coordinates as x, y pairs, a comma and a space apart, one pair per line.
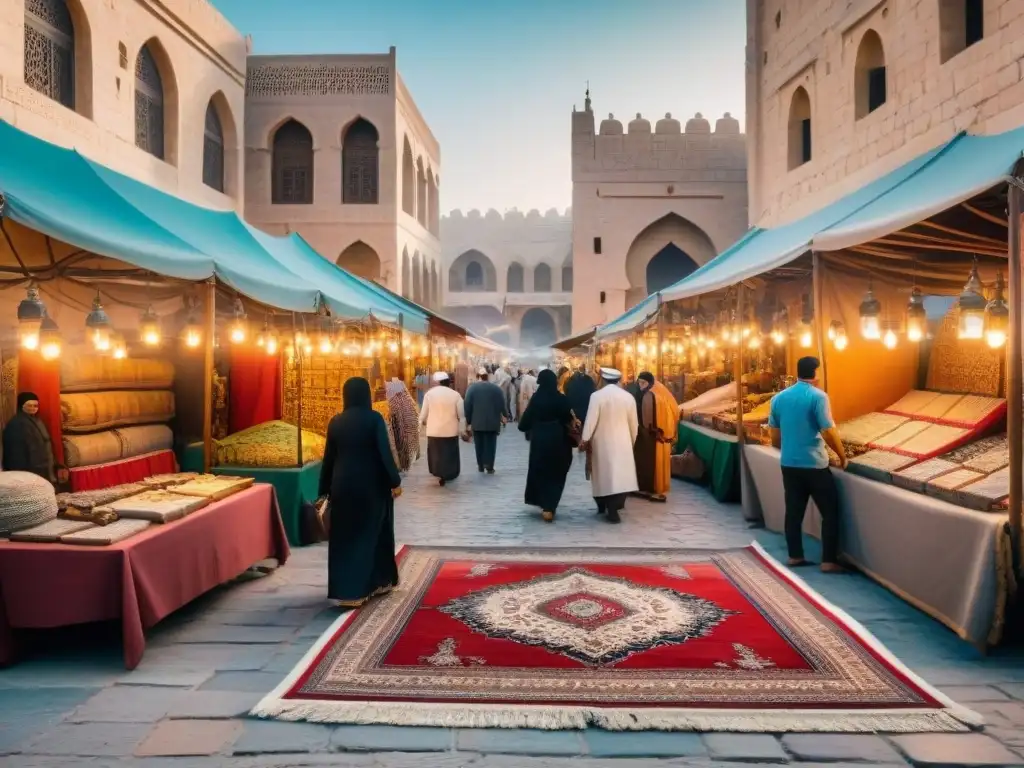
719, 452
140, 580
294, 485
948, 561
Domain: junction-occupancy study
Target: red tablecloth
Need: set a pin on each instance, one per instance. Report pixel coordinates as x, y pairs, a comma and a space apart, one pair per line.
142, 579
123, 471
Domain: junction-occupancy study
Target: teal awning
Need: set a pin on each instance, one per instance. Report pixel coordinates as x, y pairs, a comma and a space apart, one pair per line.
64, 195
631, 319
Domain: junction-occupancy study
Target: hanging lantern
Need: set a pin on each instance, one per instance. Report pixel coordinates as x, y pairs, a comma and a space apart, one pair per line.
806, 337
754, 342
239, 328
972, 307
832, 331
997, 316
118, 347
641, 348
871, 316
917, 317
273, 344
149, 328
393, 347
837, 335
49, 339
97, 324
31, 313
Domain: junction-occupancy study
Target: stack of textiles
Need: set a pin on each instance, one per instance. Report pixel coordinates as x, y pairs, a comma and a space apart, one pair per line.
273, 444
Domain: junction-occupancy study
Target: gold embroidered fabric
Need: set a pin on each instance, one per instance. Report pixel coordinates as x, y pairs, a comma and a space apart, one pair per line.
271, 444
105, 410
92, 373
957, 367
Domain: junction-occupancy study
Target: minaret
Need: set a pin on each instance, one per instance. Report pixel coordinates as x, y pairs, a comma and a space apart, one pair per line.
583, 133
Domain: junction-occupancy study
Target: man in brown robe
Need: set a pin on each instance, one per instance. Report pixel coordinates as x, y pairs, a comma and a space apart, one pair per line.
652, 452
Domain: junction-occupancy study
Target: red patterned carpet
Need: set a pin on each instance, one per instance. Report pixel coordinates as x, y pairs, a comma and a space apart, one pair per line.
618, 638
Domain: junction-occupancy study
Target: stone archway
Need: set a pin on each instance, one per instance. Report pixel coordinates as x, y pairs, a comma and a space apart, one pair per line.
537, 329
472, 271
679, 246
360, 259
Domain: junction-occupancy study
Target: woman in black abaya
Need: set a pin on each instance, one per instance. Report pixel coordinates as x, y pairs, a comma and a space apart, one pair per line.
547, 420
360, 477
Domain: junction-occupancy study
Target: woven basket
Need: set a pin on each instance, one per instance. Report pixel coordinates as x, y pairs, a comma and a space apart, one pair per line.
26, 500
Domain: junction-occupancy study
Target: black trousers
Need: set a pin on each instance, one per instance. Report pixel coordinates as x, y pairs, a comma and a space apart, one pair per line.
614, 503
800, 485
486, 444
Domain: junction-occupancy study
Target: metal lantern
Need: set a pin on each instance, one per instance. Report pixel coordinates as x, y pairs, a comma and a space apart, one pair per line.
239, 329
871, 316
49, 339
997, 317
917, 317
118, 347
889, 338
837, 335
149, 328
31, 313
97, 323
972, 307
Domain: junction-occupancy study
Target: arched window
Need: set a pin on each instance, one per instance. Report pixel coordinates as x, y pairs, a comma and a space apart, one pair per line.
50, 50
213, 150
870, 88
474, 275
421, 194
149, 104
515, 278
542, 278
292, 180
359, 164
408, 180
406, 275
799, 129
566, 279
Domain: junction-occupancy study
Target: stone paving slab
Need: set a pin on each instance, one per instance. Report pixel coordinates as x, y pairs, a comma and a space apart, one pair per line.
209, 663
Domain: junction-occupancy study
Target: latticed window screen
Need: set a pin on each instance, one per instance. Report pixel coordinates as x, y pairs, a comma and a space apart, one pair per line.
149, 104
213, 150
292, 180
50, 50
359, 164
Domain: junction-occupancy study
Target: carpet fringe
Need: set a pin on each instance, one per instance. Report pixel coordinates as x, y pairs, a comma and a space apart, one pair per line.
578, 718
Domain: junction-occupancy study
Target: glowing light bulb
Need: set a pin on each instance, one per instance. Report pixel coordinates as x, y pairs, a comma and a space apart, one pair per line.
307, 348
889, 339
326, 345
50, 350
711, 344
841, 341
641, 348
272, 345
120, 353
871, 328
755, 342
806, 339
151, 337
995, 339
237, 334
30, 340
914, 333
193, 338
101, 340
629, 349
778, 337
393, 347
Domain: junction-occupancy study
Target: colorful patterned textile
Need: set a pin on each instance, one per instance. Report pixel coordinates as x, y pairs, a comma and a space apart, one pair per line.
8, 389
273, 444
86, 500
915, 477
987, 493
91, 373
869, 427
101, 536
622, 639
901, 434
937, 439
975, 411
912, 402
405, 424
103, 447
879, 465
104, 410
966, 453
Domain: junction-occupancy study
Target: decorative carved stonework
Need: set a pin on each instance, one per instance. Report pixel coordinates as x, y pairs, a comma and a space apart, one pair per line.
269, 80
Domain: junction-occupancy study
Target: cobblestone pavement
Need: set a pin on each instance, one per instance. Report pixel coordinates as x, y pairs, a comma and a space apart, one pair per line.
72, 703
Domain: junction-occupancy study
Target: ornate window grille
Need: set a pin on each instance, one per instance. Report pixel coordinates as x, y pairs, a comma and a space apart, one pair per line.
213, 150
149, 104
359, 164
50, 50
292, 179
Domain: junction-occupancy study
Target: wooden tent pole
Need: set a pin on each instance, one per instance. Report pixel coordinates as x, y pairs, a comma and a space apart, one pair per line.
298, 398
401, 347
738, 366
818, 315
1014, 388
661, 339
211, 329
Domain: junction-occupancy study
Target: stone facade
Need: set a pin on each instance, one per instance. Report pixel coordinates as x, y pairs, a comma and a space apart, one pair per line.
87, 67
937, 67
336, 150
510, 276
650, 205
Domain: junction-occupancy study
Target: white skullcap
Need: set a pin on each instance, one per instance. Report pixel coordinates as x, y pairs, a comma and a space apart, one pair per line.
481, 372
440, 376
610, 374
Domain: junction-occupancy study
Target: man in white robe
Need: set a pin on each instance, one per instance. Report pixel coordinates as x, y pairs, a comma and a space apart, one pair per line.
608, 435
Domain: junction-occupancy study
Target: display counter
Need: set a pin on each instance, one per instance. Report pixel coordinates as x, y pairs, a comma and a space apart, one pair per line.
139, 580
950, 562
294, 485
719, 452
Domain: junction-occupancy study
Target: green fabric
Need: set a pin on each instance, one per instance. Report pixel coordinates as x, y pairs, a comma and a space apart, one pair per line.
721, 456
294, 486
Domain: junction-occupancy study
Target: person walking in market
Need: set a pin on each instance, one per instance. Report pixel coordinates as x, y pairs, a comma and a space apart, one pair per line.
608, 435
485, 414
801, 425
549, 419
444, 417
405, 423
659, 419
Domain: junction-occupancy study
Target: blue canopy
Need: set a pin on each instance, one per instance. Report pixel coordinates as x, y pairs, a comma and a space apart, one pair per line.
110, 214
633, 318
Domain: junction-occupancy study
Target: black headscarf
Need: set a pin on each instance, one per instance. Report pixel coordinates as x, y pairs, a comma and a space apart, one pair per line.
26, 397
648, 377
356, 394
579, 389
547, 380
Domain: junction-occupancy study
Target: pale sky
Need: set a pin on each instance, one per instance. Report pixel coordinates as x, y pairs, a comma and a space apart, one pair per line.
497, 81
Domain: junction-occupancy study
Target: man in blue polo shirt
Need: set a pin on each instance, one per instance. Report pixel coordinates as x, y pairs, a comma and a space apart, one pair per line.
801, 424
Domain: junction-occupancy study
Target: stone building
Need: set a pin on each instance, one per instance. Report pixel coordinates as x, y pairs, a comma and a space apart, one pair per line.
841, 92
336, 150
510, 276
155, 90
650, 206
